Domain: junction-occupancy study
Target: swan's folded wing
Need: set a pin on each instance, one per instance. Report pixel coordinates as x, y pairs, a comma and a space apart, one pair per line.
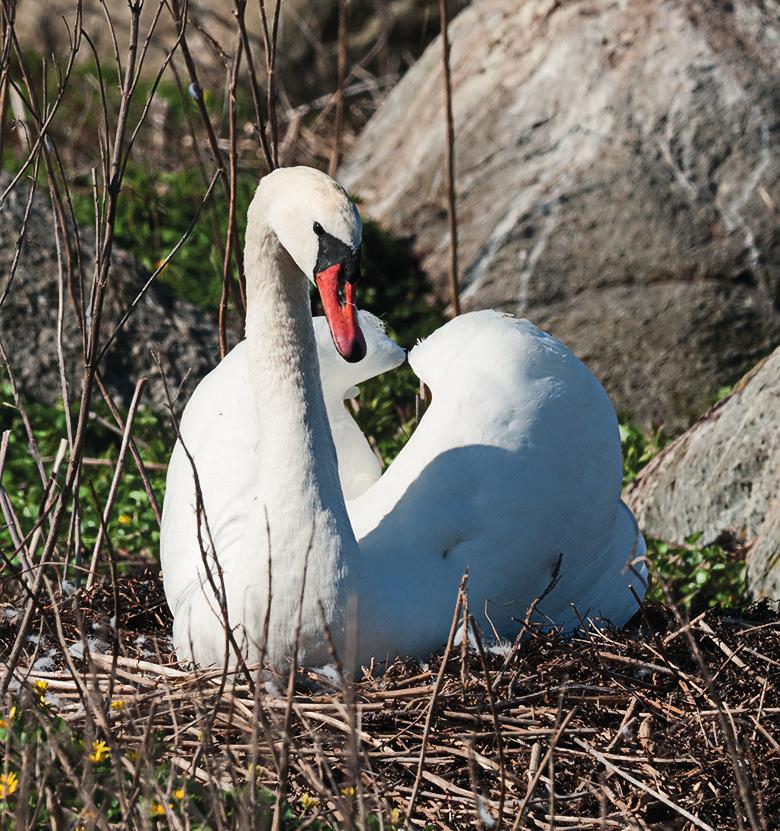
215, 456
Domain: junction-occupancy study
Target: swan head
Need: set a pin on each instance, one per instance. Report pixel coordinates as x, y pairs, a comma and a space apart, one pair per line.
320, 228
339, 378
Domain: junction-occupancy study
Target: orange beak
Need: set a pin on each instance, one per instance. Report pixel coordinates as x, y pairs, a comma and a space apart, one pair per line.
338, 302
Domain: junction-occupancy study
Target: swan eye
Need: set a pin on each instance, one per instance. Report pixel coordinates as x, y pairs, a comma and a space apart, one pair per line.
318, 230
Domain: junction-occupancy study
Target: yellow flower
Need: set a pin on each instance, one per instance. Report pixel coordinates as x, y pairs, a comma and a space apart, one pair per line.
179, 793
308, 801
161, 265
8, 720
100, 752
124, 519
117, 705
350, 791
40, 688
8, 784
395, 817
158, 809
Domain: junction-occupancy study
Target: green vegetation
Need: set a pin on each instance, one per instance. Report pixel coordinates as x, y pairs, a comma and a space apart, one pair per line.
639, 447
90, 777
132, 527
155, 211
697, 577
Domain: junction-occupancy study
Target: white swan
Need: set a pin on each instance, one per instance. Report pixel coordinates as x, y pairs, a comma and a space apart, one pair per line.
359, 466
514, 468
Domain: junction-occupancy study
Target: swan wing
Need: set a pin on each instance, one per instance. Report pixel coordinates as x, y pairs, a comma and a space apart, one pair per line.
218, 449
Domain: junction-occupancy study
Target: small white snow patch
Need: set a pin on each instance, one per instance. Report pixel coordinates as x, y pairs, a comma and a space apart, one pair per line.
330, 674
484, 814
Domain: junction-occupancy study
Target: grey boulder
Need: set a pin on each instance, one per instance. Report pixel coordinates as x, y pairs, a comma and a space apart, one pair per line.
722, 478
182, 335
618, 177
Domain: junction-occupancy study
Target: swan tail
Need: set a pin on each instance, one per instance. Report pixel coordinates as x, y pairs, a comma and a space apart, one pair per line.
618, 580
623, 581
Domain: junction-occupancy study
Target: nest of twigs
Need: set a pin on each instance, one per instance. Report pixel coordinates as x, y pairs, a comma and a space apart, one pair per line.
670, 724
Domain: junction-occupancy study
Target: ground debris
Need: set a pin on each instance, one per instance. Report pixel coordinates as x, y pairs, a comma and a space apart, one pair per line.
668, 724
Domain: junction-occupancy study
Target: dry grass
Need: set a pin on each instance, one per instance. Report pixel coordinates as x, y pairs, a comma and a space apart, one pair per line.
603, 730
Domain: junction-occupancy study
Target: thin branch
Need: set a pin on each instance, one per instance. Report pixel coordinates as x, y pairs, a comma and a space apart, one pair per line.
260, 125
452, 215
270, 39
335, 153
434, 696
117, 478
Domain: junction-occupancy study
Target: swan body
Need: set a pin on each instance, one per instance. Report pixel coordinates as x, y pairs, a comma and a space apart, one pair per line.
515, 464
513, 474
220, 430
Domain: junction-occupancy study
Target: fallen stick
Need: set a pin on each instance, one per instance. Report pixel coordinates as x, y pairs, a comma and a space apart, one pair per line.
646, 788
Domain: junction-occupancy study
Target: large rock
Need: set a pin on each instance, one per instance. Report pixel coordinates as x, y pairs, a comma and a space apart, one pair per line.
617, 177
184, 336
722, 478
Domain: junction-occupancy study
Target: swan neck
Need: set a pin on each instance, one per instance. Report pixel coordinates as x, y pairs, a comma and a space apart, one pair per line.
299, 492
279, 330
